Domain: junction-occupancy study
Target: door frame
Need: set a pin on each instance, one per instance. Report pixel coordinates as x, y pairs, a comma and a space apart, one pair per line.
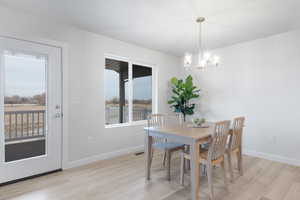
64, 91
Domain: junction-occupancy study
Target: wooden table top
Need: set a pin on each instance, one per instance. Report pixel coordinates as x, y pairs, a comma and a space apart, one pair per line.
182, 131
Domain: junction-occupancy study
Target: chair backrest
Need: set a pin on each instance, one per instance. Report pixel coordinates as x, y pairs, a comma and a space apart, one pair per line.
161, 120
237, 132
156, 120
218, 143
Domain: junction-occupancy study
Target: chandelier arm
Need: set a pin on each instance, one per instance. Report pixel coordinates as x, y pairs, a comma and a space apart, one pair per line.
199, 41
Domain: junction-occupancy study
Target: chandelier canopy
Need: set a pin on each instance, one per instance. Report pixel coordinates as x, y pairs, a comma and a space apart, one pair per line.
204, 59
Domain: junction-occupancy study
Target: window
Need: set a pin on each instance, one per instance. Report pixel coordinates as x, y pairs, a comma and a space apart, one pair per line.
116, 93
128, 91
25, 94
142, 92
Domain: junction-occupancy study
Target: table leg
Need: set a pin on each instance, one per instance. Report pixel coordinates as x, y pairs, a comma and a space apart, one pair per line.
148, 151
240, 160
195, 176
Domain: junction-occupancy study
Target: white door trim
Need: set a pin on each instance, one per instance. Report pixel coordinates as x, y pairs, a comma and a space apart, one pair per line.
65, 87
2, 137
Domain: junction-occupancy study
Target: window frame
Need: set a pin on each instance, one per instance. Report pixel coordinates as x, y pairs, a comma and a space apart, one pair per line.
132, 62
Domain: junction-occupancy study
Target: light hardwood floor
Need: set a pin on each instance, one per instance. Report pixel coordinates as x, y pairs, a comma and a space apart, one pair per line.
123, 178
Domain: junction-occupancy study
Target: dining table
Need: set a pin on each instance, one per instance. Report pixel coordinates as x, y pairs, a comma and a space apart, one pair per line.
184, 134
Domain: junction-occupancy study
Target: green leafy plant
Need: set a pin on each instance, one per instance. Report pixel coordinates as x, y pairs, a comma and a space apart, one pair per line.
183, 92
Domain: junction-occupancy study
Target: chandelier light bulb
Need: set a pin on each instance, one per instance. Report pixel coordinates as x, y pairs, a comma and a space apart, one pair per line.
203, 63
207, 56
216, 60
188, 59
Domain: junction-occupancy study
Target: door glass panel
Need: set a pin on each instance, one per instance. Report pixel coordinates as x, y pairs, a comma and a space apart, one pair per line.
24, 105
142, 92
116, 92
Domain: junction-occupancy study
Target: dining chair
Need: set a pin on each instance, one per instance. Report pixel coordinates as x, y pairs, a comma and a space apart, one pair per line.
235, 145
214, 155
162, 144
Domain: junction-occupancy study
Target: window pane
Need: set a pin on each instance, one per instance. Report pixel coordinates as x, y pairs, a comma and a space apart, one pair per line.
142, 92
25, 105
116, 92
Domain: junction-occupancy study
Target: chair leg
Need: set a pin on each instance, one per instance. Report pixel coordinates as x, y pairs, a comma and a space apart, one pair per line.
230, 165
164, 158
224, 174
240, 161
151, 157
188, 163
168, 165
203, 170
209, 178
182, 168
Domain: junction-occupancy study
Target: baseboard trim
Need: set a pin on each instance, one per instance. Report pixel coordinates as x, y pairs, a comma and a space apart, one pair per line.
29, 177
272, 157
140, 148
103, 156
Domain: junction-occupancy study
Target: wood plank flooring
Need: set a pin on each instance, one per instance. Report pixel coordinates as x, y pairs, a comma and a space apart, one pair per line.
123, 178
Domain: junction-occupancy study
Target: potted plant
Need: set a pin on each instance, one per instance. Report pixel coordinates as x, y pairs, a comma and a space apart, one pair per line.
183, 92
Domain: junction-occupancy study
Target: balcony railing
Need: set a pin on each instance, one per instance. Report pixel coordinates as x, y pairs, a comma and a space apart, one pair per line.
21, 125
112, 114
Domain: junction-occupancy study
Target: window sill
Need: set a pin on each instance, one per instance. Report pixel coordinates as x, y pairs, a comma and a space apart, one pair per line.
136, 123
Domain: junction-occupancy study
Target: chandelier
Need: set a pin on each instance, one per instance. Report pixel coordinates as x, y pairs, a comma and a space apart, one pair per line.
204, 59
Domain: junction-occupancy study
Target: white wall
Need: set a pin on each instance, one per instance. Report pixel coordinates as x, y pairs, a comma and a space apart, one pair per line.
259, 79
88, 139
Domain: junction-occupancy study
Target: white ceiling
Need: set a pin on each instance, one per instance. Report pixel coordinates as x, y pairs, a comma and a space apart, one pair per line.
168, 25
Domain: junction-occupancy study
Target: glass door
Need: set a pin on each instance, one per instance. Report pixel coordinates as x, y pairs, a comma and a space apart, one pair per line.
30, 115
